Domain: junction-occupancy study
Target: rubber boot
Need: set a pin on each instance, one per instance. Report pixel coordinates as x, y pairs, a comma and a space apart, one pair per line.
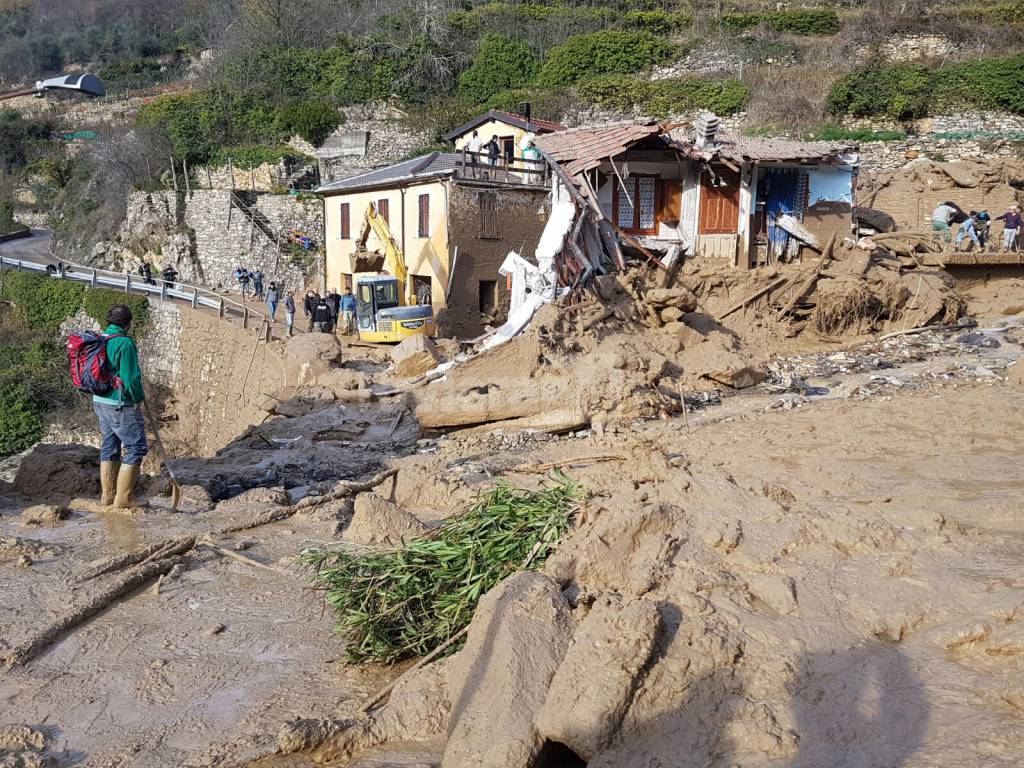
126, 479
108, 481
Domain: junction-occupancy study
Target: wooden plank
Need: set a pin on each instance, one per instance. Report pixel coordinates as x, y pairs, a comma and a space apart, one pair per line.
753, 297
826, 257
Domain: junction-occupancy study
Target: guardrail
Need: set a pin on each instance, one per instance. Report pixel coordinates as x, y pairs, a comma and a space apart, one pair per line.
175, 291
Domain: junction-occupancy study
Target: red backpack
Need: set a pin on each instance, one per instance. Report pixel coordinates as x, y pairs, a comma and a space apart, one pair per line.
87, 359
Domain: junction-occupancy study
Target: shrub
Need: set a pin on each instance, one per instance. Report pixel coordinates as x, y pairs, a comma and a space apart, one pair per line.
673, 96
833, 132
311, 119
21, 420
618, 92
901, 91
42, 303
996, 83
909, 91
546, 103
599, 53
660, 22
98, 301
188, 119
500, 63
800, 21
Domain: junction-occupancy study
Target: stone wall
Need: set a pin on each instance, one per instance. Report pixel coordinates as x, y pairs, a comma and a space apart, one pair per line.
204, 237
890, 155
160, 351
390, 138
267, 177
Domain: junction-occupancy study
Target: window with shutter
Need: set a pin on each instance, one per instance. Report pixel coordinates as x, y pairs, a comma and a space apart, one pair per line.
343, 231
424, 209
384, 210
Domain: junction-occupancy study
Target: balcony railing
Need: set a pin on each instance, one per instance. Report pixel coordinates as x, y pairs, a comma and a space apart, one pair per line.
480, 166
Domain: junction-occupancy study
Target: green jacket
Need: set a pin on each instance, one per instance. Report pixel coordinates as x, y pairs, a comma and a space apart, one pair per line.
124, 360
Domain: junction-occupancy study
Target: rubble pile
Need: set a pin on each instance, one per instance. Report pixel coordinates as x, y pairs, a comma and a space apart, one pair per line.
629, 348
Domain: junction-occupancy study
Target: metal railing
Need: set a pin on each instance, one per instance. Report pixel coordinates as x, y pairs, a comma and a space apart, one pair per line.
193, 295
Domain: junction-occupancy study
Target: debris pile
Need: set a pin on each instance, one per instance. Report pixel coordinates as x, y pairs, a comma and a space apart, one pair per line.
628, 349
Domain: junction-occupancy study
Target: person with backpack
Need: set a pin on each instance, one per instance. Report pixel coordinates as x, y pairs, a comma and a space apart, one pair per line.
170, 275
107, 366
243, 280
257, 284
273, 296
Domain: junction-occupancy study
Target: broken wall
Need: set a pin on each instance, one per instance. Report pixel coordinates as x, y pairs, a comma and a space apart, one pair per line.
483, 240
829, 203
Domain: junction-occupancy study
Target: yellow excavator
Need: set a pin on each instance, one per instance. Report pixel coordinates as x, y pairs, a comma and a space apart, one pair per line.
386, 307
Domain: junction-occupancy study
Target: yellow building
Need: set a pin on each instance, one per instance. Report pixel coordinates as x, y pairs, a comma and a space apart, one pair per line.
454, 221
509, 129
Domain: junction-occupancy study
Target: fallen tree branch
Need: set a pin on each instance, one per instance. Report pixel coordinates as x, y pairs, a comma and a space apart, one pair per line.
153, 552
242, 558
85, 608
537, 468
753, 297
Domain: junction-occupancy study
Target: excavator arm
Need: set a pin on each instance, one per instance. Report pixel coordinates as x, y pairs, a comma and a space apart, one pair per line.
394, 259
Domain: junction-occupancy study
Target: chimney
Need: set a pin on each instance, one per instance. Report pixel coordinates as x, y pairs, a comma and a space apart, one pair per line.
524, 110
705, 129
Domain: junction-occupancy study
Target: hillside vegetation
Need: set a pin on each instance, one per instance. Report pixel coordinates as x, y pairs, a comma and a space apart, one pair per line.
274, 69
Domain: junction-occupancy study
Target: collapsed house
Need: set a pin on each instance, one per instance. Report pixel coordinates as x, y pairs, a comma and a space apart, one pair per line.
602, 196
669, 191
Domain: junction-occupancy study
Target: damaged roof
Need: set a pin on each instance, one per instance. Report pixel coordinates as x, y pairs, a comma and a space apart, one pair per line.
435, 164
534, 125
762, 149
580, 149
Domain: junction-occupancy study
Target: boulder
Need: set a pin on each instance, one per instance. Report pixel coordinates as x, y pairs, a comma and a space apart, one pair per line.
594, 684
679, 297
375, 520
671, 314
255, 498
53, 470
499, 680
309, 356
415, 356
738, 378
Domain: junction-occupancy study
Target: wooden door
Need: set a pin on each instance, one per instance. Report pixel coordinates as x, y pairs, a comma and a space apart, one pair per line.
719, 205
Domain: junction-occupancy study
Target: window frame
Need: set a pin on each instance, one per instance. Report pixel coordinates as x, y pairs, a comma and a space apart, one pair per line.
345, 221
384, 210
635, 227
423, 211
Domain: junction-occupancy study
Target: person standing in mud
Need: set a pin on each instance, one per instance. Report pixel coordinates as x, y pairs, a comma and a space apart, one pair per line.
121, 423
309, 306
289, 311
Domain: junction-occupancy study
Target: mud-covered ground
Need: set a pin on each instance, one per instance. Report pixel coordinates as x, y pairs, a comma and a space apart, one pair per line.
867, 536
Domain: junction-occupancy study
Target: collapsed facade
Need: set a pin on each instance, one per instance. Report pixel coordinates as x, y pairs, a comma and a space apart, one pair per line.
704, 194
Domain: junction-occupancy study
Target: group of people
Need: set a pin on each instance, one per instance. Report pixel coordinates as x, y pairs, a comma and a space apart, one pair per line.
169, 274
247, 278
330, 312
492, 148
975, 225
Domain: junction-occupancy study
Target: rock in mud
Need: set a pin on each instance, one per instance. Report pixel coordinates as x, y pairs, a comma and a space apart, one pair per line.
738, 378
59, 471
44, 514
498, 682
594, 684
415, 356
23, 747
679, 297
309, 356
256, 497
378, 521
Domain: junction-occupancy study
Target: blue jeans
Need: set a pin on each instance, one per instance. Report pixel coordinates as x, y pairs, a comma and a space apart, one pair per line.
123, 431
967, 228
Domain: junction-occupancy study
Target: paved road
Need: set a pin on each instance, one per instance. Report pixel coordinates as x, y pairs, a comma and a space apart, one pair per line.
35, 248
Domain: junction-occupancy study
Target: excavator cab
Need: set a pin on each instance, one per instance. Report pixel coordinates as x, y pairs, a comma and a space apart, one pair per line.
380, 315
386, 309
